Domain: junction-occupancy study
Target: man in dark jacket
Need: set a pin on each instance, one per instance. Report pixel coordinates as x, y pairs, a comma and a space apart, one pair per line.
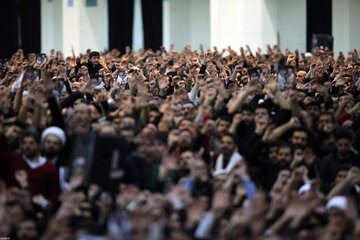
92, 65
343, 155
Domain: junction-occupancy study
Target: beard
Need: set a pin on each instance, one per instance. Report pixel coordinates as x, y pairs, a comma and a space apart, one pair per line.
50, 154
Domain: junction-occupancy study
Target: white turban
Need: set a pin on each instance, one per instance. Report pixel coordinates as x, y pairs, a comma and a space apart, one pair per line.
56, 131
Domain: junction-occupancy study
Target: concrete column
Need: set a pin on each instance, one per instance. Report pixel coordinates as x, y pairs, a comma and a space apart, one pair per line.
345, 25
138, 30
166, 23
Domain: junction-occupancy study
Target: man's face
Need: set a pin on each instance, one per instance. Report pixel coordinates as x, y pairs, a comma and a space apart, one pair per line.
199, 168
52, 145
153, 115
247, 117
261, 116
187, 158
188, 109
272, 155
128, 135
185, 124
343, 146
95, 115
27, 230
326, 123
13, 133
300, 77
127, 122
222, 127
82, 112
30, 147
341, 175
284, 156
299, 139
227, 145
94, 60
314, 111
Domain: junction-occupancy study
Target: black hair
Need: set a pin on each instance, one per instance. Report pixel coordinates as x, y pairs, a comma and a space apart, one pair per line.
32, 132
153, 108
329, 114
224, 117
94, 54
343, 133
284, 144
313, 103
301, 129
230, 135
264, 106
184, 119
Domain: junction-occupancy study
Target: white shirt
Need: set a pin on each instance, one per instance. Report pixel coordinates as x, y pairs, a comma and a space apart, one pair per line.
35, 164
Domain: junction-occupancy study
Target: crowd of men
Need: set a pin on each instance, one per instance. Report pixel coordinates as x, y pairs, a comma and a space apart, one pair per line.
223, 144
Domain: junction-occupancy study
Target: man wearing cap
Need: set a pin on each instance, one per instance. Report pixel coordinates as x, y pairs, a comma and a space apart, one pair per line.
53, 140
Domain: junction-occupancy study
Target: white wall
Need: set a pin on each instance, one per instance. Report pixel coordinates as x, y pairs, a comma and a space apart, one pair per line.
199, 23
92, 27
84, 27
186, 21
236, 23
51, 25
345, 25
71, 27
292, 24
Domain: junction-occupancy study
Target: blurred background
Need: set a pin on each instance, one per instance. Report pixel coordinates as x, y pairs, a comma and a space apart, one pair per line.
41, 25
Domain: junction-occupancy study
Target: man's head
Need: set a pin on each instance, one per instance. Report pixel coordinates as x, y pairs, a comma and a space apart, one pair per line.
107, 130
222, 126
31, 143
128, 133
95, 112
284, 154
14, 131
228, 144
326, 122
127, 121
82, 111
94, 58
262, 115
185, 123
313, 108
341, 174
188, 109
247, 114
343, 142
27, 230
272, 150
154, 115
300, 76
299, 138
53, 140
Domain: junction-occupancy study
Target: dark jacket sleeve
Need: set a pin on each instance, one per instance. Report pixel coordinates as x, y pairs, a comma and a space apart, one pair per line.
57, 119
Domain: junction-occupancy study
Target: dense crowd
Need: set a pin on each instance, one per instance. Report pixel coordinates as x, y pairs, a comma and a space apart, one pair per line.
223, 144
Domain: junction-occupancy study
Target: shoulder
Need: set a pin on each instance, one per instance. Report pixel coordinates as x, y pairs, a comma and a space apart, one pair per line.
50, 167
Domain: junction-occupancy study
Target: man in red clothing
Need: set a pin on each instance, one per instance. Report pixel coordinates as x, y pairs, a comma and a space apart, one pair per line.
30, 169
